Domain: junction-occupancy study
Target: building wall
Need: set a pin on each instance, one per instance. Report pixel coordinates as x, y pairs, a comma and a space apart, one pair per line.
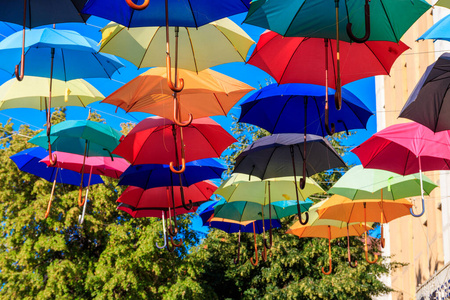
416, 242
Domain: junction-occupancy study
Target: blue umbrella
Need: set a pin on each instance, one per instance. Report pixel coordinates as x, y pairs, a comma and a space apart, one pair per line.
28, 161
281, 109
232, 227
156, 175
439, 31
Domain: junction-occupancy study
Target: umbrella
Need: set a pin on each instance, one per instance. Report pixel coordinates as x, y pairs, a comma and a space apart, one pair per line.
428, 103
406, 149
156, 140
280, 155
60, 54
227, 42
382, 21
28, 161
35, 13
32, 92
207, 93
247, 211
80, 137
328, 228
156, 175
281, 109
297, 60
160, 198
439, 30
344, 209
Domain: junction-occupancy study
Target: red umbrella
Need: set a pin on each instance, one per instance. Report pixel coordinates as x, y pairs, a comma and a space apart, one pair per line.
313, 60
161, 198
406, 149
156, 140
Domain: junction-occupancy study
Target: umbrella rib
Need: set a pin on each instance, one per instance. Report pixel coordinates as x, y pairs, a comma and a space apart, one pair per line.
302, 156
64, 65
148, 45
293, 18
389, 21
81, 101
106, 72
192, 48
370, 49
355, 113
226, 37
291, 58
268, 161
192, 13
220, 104
281, 112
320, 117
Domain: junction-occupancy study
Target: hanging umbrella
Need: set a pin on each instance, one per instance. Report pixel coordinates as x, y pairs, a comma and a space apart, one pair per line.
227, 42
429, 102
362, 210
281, 109
247, 211
156, 175
28, 161
80, 137
331, 229
406, 149
439, 30
32, 92
156, 140
59, 54
33, 13
161, 197
311, 60
382, 21
207, 93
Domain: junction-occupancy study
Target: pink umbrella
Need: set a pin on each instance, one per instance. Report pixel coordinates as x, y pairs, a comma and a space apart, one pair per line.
106, 166
405, 149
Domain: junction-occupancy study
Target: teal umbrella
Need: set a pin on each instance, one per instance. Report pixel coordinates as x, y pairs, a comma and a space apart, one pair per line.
84, 137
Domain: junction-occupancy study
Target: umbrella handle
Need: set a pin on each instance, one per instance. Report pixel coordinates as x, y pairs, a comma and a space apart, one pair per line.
51, 156
172, 241
164, 233
306, 220
268, 246
168, 247
421, 213
20, 76
366, 250
51, 196
329, 254
355, 263
172, 232
174, 88
254, 263
183, 167
80, 196
264, 253
81, 217
183, 202
236, 259
367, 23
138, 7
330, 128
177, 113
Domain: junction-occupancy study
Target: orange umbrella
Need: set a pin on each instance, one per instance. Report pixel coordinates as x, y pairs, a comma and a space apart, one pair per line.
326, 228
206, 93
344, 209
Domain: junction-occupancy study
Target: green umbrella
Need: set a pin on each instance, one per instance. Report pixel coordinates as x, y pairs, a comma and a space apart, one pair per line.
248, 211
79, 137
359, 183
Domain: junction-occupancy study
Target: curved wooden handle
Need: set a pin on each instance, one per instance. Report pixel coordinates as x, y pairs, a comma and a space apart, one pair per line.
367, 256
80, 196
367, 24
306, 220
330, 128
20, 76
168, 247
236, 260
355, 264
329, 271
366, 249
164, 233
138, 7
180, 84
183, 167
254, 263
51, 156
329, 254
51, 196
264, 253
176, 113
172, 241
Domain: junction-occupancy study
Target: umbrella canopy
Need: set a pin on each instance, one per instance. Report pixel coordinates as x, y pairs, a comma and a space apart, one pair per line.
439, 30
226, 41
281, 109
281, 155
429, 102
29, 159
340, 208
78, 137
180, 13
389, 20
146, 212
305, 59
156, 175
360, 183
151, 141
401, 147
247, 211
233, 226
99, 165
33, 92
158, 197
239, 188
43, 12
206, 93
74, 56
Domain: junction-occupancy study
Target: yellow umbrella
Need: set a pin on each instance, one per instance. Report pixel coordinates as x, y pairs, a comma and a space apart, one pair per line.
219, 42
207, 93
328, 228
341, 208
32, 92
